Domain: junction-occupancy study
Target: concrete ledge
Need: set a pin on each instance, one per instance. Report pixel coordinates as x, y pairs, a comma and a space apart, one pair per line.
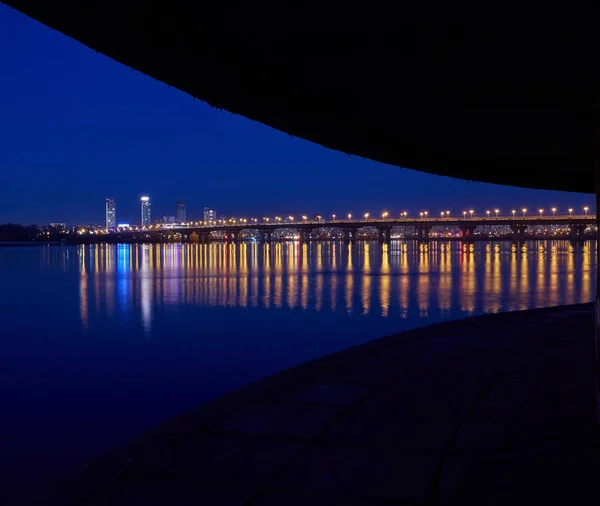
497, 409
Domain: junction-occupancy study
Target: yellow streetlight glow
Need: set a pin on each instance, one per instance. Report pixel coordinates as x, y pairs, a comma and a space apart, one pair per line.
541, 212
384, 215
553, 211
349, 216
586, 209
366, 216
570, 212
488, 213
333, 215
304, 218
464, 214
426, 213
496, 211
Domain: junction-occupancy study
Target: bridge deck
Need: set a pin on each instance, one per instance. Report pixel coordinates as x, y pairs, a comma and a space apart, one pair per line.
496, 409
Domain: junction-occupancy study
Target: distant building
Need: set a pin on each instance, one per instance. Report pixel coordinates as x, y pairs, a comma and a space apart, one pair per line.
181, 218
209, 215
168, 219
146, 214
111, 214
58, 226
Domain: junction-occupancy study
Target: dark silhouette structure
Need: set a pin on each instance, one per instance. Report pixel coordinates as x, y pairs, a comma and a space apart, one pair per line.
502, 98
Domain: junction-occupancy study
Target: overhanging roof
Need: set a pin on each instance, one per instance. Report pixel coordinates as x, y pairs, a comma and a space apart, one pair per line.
454, 92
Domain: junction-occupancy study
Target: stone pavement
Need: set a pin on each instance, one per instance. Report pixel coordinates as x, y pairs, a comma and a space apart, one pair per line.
497, 409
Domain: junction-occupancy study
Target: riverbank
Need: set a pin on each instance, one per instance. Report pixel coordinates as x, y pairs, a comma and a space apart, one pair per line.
8, 244
497, 409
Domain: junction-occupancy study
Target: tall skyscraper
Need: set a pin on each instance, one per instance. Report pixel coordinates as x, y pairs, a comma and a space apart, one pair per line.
146, 218
111, 214
181, 211
209, 215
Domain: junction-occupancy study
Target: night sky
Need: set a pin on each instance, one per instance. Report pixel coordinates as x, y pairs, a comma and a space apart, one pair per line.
76, 127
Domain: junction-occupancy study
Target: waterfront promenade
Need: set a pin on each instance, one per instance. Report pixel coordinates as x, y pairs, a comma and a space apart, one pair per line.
497, 409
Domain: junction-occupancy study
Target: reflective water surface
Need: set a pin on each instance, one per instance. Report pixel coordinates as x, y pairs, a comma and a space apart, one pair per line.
101, 342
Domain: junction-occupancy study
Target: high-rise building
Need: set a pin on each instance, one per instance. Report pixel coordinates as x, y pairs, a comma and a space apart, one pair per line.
181, 211
111, 214
209, 215
146, 218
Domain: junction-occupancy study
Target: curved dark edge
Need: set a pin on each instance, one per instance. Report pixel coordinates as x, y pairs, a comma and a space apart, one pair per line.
114, 466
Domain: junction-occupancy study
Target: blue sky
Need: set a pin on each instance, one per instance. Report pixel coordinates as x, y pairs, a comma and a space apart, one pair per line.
76, 127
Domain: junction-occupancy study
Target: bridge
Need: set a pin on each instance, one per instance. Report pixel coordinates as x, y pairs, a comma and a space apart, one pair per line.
422, 227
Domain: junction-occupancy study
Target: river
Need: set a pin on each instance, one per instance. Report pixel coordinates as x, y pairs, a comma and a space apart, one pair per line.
98, 343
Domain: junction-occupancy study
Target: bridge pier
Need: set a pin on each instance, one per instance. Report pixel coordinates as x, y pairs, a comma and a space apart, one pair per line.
305, 234
467, 231
423, 232
577, 232
204, 237
266, 236
350, 234
385, 234
518, 231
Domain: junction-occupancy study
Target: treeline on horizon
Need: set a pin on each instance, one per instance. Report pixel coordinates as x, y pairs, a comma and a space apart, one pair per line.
11, 232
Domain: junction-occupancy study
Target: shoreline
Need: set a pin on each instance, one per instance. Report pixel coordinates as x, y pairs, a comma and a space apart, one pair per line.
221, 241
433, 405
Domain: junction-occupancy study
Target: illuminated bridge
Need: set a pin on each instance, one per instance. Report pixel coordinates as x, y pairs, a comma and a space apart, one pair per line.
421, 227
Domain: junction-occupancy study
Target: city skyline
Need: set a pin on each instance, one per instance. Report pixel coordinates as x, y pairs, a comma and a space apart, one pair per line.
208, 214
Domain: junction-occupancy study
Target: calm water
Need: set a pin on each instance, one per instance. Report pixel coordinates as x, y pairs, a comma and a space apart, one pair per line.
101, 342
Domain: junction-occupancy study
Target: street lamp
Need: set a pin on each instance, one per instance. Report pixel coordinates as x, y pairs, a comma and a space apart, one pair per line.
586, 209
442, 214
304, 218
421, 215
496, 211
384, 215
291, 218
447, 213
524, 211
464, 214
541, 212
570, 212
333, 215
471, 213
488, 213
554, 211
349, 216
405, 214
514, 212
366, 216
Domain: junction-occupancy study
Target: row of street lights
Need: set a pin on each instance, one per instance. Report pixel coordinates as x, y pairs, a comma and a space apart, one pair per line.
386, 215
514, 212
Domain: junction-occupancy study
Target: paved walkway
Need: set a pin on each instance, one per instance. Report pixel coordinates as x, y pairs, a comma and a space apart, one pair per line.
490, 410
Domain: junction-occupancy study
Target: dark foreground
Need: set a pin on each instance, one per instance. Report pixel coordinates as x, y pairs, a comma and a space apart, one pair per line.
496, 409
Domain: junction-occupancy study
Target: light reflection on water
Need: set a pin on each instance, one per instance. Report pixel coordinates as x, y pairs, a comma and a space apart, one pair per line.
102, 342
398, 280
